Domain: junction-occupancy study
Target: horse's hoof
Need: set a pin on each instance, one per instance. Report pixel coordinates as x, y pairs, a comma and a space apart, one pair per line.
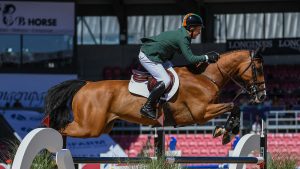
218, 131
226, 138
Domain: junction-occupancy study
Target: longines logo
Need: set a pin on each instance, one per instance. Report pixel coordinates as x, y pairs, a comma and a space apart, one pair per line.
9, 18
271, 46
292, 43
250, 44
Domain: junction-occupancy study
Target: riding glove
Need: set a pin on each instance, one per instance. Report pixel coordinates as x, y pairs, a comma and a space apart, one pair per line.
212, 57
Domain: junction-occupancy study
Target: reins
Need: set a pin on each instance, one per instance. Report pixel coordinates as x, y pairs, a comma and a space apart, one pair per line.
243, 88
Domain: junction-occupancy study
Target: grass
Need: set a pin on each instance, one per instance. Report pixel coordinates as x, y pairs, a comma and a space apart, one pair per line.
43, 160
282, 161
10, 149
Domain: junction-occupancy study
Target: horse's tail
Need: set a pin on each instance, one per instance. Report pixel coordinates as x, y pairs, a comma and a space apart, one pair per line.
56, 103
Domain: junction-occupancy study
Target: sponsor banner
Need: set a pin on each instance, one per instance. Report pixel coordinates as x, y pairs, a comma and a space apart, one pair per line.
27, 90
271, 46
22, 121
103, 146
37, 17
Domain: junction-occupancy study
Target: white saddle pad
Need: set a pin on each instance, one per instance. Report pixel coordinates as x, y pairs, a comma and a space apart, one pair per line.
141, 89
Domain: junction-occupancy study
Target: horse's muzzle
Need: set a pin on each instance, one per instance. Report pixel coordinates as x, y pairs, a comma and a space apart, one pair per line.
258, 92
260, 96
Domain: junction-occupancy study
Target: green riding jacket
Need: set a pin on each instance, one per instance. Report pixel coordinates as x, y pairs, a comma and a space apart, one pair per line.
162, 47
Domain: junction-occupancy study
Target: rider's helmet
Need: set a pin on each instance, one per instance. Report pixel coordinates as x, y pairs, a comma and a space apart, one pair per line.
190, 20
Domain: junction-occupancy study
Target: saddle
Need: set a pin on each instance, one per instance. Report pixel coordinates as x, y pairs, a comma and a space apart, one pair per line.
141, 76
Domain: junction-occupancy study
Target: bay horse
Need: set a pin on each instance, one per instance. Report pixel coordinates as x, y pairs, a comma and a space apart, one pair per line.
85, 109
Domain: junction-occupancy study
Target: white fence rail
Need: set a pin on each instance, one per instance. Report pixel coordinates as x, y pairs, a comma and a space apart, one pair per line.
284, 120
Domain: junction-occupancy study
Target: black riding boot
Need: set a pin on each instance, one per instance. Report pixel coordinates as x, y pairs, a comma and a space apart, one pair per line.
149, 108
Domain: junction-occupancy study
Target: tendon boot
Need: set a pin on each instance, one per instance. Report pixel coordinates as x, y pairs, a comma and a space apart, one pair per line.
149, 108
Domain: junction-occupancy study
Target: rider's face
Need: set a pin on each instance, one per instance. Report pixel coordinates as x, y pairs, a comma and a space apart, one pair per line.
196, 31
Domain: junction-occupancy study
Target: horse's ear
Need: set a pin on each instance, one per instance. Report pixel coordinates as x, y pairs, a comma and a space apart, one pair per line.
256, 54
259, 51
259, 56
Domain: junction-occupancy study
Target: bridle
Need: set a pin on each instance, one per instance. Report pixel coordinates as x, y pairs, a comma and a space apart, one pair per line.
253, 87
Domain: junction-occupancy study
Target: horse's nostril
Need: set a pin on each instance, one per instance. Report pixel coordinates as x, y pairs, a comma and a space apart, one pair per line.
262, 97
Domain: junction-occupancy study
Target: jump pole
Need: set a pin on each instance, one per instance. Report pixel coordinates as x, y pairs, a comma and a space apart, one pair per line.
263, 145
171, 160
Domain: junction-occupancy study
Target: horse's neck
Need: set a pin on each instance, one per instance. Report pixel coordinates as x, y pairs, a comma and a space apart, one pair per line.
226, 67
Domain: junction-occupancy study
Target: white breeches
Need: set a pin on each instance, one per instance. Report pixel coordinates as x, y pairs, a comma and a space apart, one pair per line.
157, 70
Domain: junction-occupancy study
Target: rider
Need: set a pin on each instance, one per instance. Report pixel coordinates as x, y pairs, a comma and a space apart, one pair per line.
157, 50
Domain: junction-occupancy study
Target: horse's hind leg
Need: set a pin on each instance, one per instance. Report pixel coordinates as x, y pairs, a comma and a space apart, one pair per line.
74, 129
90, 127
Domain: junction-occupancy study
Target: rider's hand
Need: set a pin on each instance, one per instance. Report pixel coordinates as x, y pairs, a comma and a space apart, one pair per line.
212, 57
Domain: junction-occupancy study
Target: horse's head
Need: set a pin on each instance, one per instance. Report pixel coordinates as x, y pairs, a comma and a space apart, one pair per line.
251, 72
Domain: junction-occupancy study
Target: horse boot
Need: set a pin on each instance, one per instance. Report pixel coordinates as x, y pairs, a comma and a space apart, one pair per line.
149, 108
237, 115
232, 125
233, 121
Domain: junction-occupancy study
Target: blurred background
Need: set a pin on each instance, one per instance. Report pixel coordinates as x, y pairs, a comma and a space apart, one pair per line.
43, 43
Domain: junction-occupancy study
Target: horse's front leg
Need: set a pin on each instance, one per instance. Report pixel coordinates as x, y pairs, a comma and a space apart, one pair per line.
232, 125
231, 128
214, 110
233, 122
